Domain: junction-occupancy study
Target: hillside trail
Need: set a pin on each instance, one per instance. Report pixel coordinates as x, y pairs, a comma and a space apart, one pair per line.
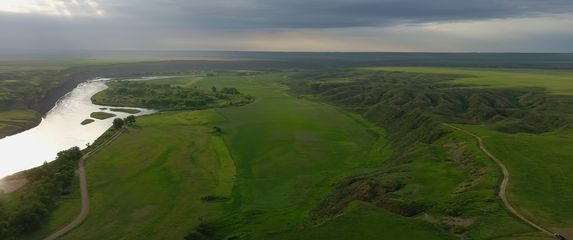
83, 190
504, 183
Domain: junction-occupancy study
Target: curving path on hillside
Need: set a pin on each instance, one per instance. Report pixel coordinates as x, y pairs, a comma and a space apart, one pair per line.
84, 192
504, 183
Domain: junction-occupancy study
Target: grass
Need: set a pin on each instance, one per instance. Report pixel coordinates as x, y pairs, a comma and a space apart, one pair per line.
553, 81
154, 189
375, 223
87, 121
12, 122
451, 177
539, 164
125, 110
288, 152
102, 115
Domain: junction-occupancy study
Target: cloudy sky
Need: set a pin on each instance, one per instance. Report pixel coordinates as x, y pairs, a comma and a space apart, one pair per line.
289, 25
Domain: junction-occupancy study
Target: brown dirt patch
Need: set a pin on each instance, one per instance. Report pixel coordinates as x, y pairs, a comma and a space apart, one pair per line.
8, 186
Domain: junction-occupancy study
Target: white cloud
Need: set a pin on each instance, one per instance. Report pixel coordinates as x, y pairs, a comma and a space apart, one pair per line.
67, 8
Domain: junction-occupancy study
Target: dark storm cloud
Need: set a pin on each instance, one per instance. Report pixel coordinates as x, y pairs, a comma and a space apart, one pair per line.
321, 25
328, 13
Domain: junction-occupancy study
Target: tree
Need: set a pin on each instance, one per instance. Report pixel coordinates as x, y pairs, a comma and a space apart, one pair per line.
232, 91
130, 120
118, 123
217, 130
214, 89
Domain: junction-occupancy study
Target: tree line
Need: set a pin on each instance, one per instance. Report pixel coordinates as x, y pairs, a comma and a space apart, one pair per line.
168, 97
24, 210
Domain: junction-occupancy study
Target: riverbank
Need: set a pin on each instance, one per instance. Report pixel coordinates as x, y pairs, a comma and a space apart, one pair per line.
60, 129
77, 75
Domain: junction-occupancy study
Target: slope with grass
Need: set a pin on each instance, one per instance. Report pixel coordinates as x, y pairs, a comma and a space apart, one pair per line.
540, 164
553, 81
363, 221
288, 152
436, 175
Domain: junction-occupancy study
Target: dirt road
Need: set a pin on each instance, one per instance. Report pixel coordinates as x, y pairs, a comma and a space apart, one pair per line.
504, 183
84, 192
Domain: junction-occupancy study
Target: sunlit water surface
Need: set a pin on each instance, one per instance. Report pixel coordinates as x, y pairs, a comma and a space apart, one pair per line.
59, 130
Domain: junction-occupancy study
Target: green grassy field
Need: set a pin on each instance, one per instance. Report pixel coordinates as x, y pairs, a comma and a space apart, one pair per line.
288, 152
540, 167
154, 189
363, 221
553, 81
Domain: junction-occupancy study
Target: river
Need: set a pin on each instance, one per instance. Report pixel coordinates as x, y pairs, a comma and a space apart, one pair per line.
59, 130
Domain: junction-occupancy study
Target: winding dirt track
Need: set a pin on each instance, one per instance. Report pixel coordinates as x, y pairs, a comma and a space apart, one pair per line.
84, 192
504, 183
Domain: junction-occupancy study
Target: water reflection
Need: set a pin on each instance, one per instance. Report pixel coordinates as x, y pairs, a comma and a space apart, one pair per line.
59, 130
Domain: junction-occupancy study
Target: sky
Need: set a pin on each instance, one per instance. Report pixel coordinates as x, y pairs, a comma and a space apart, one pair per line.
289, 25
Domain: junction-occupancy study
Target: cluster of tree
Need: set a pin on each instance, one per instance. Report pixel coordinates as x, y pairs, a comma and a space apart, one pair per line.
128, 121
204, 231
168, 97
33, 203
